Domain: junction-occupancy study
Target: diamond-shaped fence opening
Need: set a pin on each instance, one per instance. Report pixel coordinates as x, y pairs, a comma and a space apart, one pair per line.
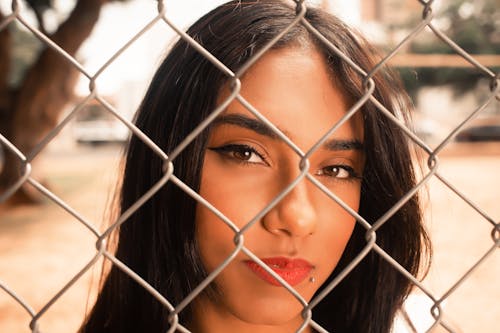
460, 209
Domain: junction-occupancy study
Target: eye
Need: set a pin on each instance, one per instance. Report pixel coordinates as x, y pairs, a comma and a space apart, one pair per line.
338, 171
240, 152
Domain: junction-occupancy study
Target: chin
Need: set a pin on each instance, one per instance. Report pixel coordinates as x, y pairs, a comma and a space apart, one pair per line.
270, 311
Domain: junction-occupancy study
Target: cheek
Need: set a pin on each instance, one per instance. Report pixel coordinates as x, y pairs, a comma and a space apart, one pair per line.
335, 233
237, 196
213, 235
234, 197
335, 226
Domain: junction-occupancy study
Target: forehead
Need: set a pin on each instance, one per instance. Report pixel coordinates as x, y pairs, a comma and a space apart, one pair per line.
294, 89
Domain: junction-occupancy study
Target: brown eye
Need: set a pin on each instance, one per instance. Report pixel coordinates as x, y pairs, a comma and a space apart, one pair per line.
245, 155
337, 171
241, 153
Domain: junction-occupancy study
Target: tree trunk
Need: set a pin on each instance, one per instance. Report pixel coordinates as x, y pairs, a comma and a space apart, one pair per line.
4, 76
46, 89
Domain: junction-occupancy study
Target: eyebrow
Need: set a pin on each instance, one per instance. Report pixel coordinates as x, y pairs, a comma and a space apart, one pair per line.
252, 124
261, 128
336, 144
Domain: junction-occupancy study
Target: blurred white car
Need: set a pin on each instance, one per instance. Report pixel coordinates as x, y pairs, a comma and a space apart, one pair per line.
94, 124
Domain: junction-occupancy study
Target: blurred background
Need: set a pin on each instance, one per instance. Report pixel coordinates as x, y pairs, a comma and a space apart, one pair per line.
42, 246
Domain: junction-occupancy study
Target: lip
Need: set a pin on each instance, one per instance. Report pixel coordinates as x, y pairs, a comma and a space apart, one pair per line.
293, 271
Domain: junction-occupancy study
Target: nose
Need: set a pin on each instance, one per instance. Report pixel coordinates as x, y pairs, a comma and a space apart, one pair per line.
294, 215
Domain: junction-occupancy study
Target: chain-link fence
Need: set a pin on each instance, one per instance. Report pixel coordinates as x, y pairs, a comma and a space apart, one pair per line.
162, 17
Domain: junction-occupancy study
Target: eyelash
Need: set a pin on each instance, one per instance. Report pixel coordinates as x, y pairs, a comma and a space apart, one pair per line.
352, 175
230, 150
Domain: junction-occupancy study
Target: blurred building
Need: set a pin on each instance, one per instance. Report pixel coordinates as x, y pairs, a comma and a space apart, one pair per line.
390, 12
385, 12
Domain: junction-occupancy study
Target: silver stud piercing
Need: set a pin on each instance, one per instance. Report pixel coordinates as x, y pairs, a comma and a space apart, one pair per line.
312, 279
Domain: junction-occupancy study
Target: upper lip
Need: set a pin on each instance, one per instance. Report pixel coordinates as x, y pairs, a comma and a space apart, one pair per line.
283, 263
292, 270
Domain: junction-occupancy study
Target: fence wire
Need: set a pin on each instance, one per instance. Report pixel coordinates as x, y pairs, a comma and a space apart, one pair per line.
161, 17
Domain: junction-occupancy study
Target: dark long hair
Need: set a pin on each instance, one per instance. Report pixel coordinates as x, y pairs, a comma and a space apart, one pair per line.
158, 241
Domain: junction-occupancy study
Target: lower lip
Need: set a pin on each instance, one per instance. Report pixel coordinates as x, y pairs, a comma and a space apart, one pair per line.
293, 271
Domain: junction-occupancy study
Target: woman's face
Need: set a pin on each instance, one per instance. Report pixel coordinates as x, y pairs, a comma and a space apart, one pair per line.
246, 165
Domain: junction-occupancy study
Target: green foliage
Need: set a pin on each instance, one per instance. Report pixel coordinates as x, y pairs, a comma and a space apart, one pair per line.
474, 26
25, 50
41, 4
461, 79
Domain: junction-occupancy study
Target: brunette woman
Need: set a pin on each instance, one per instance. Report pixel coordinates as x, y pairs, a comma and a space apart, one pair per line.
240, 163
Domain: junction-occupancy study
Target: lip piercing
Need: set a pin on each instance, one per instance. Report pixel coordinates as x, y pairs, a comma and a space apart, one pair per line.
312, 279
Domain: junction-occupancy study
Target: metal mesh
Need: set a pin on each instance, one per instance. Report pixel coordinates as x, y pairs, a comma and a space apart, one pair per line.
101, 238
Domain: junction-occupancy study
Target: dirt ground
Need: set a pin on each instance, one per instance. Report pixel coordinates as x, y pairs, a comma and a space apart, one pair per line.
43, 247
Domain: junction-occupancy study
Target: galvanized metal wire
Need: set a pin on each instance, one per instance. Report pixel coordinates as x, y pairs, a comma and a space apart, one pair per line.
101, 238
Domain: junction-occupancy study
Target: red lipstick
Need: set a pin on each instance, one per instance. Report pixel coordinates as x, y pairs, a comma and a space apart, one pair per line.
293, 271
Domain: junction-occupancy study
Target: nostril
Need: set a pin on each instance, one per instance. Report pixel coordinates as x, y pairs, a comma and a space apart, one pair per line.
294, 215
297, 216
